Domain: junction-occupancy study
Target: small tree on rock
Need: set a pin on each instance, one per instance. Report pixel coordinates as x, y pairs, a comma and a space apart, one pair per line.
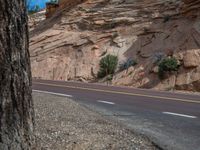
167, 65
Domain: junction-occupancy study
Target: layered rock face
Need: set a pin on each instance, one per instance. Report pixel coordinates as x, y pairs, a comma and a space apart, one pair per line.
69, 3
69, 45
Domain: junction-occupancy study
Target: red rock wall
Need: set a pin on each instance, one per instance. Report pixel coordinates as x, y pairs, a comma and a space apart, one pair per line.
69, 3
52, 8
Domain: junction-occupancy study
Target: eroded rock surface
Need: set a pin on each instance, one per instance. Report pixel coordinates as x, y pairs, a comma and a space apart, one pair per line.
69, 45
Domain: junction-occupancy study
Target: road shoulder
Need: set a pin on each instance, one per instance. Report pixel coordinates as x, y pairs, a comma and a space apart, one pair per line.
63, 124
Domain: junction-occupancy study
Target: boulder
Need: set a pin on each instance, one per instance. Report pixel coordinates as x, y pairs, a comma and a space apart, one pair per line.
167, 84
189, 80
179, 56
192, 58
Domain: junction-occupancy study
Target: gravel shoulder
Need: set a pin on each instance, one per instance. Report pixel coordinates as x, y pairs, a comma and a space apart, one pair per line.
62, 124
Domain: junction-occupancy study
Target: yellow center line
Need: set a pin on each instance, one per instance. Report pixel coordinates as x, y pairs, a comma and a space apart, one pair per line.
123, 93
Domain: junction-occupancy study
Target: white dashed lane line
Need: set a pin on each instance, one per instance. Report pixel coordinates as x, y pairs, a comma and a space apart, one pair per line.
111, 103
180, 115
58, 94
106, 102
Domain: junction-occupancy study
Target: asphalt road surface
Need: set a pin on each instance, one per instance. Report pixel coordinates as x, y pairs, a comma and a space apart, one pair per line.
171, 120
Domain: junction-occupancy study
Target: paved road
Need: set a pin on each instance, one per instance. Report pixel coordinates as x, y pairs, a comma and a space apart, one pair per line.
171, 120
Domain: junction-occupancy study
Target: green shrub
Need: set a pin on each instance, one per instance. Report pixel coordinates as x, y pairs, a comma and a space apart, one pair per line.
167, 65
108, 65
125, 65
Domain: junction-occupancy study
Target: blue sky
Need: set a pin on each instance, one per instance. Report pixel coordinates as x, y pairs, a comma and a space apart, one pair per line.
33, 3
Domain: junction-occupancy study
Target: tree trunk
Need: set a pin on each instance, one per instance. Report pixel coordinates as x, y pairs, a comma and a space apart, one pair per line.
16, 105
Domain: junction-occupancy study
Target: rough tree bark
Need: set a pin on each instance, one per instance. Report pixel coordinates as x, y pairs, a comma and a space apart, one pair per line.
16, 105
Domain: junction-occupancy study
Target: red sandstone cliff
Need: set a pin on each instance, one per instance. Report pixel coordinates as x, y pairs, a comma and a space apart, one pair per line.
69, 45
